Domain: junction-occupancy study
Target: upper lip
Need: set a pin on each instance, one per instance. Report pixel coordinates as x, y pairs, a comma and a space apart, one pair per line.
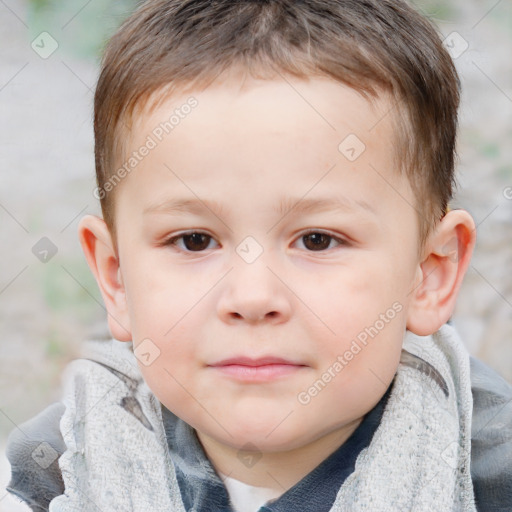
260, 361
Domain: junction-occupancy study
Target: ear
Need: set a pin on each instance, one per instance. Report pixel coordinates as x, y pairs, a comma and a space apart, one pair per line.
101, 256
439, 275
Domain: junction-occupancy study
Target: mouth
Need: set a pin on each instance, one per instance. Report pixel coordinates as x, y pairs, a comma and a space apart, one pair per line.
262, 369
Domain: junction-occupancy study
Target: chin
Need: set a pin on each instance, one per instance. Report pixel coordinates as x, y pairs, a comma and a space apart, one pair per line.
265, 438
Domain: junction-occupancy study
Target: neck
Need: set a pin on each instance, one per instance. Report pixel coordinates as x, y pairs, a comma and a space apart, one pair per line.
278, 471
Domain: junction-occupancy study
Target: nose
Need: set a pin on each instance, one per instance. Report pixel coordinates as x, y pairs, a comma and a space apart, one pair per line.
254, 293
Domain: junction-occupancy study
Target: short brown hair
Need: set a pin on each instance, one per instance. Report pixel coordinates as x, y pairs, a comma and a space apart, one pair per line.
369, 45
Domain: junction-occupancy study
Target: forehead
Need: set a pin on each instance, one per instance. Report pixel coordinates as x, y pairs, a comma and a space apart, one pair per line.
272, 105
263, 135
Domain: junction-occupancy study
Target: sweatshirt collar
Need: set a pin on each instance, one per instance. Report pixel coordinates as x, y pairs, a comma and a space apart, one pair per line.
203, 490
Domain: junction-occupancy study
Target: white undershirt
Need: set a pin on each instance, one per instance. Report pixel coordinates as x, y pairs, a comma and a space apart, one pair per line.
245, 497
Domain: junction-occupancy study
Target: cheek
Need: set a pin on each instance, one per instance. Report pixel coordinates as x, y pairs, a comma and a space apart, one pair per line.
175, 359
156, 298
361, 368
356, 295
363, 322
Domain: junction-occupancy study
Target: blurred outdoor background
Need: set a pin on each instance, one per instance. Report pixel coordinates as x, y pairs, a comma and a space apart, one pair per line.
49, 301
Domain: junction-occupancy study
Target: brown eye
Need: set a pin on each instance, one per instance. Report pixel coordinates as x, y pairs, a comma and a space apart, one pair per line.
318, 241
192, 242
196, 241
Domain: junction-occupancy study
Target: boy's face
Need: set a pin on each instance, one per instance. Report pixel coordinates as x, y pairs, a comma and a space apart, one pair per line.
334, 302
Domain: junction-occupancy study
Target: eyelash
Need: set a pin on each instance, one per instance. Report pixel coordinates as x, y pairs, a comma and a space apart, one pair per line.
172, 240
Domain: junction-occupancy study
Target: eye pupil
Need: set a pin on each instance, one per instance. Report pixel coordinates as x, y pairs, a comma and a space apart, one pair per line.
196, 238
319, 240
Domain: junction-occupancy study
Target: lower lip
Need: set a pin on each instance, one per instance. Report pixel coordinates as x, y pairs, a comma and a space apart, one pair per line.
258, 373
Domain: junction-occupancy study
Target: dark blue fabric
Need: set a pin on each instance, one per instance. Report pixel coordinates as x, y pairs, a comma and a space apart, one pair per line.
202, 489
491, 439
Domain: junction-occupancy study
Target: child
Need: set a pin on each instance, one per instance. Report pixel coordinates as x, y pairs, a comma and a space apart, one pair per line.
300, 355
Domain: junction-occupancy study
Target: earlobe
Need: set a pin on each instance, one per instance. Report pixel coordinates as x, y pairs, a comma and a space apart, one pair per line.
441, 272
101, 257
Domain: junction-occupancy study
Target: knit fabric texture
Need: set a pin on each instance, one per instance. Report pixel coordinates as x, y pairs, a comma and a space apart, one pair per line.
117, 457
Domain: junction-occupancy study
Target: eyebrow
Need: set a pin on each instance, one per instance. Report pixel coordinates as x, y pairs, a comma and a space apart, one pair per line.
286, 205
